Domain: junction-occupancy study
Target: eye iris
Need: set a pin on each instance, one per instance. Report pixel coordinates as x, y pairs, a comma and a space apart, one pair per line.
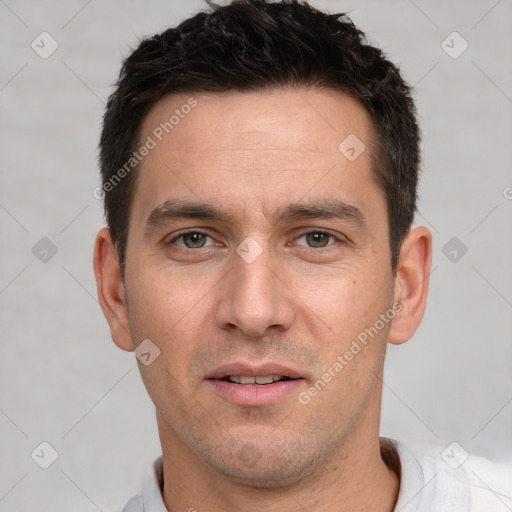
317, 239
194, 240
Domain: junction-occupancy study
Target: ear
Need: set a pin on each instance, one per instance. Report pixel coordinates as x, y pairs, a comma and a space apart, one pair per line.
111, 293
411, 284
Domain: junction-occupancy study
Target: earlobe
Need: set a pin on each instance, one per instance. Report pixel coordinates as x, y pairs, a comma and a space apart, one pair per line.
411, 284
111, 291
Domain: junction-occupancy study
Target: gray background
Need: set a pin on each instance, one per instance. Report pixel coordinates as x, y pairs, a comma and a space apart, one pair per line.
63, 381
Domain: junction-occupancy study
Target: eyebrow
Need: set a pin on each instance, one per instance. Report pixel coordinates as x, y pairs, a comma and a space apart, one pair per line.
174, 209
321, 209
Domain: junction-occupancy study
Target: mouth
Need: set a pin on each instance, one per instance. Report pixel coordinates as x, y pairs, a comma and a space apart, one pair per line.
263, 380
252, 386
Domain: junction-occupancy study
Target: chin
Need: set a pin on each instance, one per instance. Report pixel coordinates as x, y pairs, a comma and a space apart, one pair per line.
266, 468
265, 476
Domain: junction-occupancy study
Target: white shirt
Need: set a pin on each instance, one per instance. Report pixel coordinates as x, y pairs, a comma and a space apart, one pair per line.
428, 482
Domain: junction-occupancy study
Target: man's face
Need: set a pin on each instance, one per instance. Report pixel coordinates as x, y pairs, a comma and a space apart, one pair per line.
257, 247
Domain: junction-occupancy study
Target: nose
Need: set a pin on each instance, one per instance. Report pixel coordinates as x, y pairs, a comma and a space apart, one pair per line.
254, 297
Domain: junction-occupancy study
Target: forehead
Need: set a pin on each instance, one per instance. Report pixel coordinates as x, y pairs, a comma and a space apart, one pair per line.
256, 146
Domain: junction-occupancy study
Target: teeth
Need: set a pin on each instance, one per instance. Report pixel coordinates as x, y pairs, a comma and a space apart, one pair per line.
266, 379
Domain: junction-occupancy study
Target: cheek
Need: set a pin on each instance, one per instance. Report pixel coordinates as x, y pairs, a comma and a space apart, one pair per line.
345, 300
174, 317
167, 301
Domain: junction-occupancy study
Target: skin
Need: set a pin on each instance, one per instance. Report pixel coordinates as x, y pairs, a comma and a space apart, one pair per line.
252, 154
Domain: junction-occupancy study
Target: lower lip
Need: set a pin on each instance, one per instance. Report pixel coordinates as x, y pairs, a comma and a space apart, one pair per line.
255, 395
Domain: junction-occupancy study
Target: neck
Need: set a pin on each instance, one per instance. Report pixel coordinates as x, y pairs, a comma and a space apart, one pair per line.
355, 479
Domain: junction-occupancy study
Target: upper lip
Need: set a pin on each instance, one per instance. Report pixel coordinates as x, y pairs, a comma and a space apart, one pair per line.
247, 370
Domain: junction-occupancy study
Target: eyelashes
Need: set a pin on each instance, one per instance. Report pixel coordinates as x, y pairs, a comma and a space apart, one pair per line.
194, 240
318, 239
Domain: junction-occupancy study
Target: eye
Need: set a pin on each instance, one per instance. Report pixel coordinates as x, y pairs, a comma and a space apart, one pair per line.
317, 239
193, 240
